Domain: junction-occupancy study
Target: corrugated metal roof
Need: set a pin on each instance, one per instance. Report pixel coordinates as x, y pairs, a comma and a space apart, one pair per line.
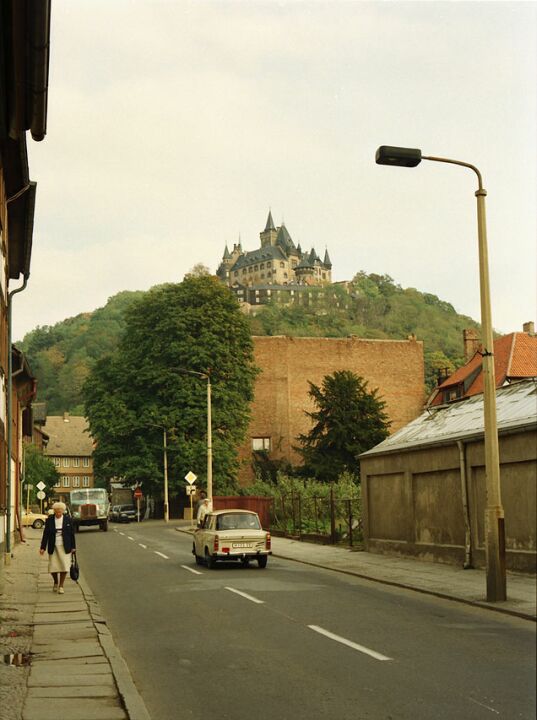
516, 406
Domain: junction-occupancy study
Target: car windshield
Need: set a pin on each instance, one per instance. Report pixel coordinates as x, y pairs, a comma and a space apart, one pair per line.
237, 521
126, 507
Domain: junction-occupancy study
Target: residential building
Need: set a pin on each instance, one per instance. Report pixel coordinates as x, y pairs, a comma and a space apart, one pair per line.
24, 63
70, 447
515, 358
278, 264
423, 488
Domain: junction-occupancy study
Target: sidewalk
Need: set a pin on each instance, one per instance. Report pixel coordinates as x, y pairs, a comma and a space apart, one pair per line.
446, 581
75, 670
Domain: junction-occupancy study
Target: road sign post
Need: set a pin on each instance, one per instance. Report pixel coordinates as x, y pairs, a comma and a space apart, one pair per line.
138, 496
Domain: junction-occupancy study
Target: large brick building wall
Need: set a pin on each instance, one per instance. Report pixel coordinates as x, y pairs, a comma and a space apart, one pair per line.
395, 367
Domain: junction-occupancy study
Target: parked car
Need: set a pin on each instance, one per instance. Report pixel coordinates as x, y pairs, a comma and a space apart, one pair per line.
35, 520
231, 535
123, 513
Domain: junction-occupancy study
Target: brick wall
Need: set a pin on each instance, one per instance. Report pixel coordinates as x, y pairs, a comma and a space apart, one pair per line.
395, 367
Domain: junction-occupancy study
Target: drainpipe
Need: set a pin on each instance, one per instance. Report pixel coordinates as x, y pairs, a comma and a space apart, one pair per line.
464, 492
7, 557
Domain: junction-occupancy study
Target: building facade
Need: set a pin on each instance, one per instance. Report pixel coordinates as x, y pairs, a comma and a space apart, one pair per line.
424, 488
277, 264
394, 367
24, 63
70, 447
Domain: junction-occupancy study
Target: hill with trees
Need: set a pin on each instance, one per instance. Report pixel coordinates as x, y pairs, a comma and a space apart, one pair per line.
370, 306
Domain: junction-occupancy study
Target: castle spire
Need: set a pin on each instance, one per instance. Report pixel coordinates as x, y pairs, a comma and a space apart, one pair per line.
270, 222
326, 260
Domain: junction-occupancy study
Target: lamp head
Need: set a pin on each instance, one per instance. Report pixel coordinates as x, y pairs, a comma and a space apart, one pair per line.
402, 157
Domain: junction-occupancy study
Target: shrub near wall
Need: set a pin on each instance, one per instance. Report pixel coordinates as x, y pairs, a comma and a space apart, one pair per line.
313, 510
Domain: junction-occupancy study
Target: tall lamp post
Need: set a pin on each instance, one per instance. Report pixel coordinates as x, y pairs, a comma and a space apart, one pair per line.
494, 514
206, 376
165, 449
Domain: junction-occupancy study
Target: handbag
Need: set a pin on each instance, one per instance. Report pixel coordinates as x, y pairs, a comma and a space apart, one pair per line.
74, 570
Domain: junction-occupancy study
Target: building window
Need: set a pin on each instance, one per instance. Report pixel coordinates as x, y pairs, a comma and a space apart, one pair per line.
256, 268
58, 483
65, 481
282, 264
269, 273
57, 462
65, 462
76, 462
262, 266
85, 481
236, 273
85, 462
285, 275
261, 443
244, 271
76, 481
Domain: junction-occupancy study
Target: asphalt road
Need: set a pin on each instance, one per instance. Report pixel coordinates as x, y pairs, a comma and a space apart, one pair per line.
294, 642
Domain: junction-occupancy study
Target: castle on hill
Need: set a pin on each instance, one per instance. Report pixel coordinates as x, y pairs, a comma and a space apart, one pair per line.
278, 266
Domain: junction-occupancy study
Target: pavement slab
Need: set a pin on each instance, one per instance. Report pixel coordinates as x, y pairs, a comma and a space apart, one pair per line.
74, 709
91, 691
67, 679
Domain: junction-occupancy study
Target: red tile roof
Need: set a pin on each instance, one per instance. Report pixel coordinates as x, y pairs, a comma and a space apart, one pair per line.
515, 357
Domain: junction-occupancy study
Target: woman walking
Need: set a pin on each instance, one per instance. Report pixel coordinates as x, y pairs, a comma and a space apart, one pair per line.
59, 540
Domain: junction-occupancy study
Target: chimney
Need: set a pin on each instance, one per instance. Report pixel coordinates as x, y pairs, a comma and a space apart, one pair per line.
529, 328
470, 340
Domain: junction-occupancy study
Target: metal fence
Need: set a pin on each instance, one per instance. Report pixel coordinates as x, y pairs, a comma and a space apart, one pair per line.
328, 519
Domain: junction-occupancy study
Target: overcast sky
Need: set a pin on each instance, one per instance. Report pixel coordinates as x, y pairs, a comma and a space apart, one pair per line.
173, 127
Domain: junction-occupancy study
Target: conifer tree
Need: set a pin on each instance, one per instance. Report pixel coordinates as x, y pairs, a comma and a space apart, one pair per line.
348, 420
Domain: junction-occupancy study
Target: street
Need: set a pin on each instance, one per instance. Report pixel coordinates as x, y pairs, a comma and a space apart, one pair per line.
294, 641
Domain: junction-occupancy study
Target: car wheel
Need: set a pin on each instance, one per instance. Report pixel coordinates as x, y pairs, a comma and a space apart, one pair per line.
245, 562
209, 560
104, 526
262, 561
38, 524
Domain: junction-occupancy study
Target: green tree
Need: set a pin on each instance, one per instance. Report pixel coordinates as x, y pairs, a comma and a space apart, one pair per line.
38, 468
348, 420
140, 390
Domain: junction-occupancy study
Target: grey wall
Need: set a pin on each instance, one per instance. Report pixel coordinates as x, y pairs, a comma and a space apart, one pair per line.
413, 501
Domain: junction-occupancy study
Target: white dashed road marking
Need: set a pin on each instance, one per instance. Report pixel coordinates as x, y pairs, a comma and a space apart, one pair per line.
349, 643
130, 537
245, 595
196, 572
144, 546
161, 555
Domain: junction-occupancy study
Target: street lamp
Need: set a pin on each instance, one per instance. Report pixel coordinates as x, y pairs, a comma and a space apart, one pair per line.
165, 447
494, 514
206, 376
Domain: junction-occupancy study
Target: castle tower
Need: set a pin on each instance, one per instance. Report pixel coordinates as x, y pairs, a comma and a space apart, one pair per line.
269, 234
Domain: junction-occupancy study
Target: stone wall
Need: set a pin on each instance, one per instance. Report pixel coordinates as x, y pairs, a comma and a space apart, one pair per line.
395, 367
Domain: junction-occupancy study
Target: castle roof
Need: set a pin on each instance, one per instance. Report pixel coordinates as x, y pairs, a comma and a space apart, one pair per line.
284, 239
327, 260
227, 254
269, 252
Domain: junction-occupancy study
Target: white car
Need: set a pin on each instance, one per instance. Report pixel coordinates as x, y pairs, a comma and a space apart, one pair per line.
36, 520
231, 535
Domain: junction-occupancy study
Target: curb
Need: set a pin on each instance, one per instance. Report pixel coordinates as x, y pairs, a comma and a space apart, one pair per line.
393, 583
130, 697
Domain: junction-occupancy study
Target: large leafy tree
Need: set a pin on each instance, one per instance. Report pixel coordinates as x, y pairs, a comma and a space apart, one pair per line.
348, 420
144, 389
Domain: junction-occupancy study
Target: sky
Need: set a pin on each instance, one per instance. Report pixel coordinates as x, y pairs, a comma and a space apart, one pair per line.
173, 128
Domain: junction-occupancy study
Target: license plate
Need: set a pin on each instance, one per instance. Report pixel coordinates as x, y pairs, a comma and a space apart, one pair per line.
241, 545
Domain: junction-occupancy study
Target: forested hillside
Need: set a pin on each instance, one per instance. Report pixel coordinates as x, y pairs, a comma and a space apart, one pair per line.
371, 306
